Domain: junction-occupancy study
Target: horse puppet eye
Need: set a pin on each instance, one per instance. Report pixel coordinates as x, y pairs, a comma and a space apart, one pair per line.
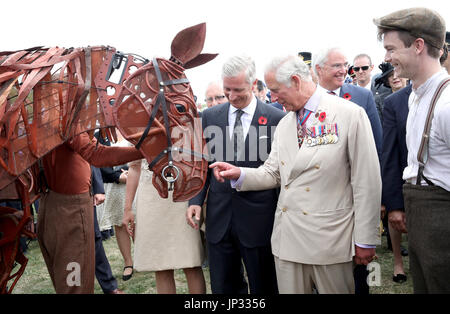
180, 108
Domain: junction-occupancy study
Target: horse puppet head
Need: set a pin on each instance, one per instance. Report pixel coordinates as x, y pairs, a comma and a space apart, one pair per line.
154, 109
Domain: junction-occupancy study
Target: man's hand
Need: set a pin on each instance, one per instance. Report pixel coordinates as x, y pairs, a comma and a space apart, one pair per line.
364, 256
128, 222
99, 199
193, 211
223, 170
397, 219
382, 212
123, 176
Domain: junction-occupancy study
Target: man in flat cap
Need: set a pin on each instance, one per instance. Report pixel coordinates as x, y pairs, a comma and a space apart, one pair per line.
413, 39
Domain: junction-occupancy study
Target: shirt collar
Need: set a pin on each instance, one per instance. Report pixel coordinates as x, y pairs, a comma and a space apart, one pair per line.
337, 91
422, 89
250, 109
314, 100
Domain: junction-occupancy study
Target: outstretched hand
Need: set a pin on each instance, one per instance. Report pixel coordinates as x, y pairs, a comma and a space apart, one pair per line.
223, 170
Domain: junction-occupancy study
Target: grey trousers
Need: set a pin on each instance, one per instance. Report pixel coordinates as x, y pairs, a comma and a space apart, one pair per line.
428, 221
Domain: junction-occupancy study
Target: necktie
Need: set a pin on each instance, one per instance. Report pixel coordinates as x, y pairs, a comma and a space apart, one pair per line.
301, 128
331, 92
238, 135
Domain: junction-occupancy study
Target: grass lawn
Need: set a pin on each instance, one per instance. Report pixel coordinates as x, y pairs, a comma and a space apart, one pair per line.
36, 280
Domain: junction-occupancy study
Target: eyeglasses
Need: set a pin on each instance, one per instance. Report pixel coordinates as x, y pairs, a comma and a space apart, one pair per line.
364, 68
338, 66
217, 98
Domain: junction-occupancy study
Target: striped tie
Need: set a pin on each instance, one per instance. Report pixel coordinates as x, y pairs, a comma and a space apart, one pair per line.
238, 135
301, 129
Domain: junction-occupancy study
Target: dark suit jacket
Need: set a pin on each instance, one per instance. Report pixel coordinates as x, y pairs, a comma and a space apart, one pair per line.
395, 153
96, 181
110, 174
379, 93
251, 213
364, 98
276, 105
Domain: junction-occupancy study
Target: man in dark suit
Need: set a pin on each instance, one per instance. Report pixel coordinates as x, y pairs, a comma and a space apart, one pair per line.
103, 272
394, 160
331, 67
364, 98
238, 224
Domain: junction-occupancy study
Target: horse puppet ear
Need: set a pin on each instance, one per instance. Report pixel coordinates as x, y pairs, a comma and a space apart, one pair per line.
188, 44
199, 60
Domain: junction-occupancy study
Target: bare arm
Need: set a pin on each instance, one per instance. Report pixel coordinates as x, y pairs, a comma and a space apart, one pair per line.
134, 173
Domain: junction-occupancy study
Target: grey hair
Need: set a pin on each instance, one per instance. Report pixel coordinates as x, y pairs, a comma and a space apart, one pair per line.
322, 57
286, 67
235, 65
214, 83
363, 55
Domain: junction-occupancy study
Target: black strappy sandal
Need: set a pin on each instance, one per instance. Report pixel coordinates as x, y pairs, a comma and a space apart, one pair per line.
127, 277
399, 278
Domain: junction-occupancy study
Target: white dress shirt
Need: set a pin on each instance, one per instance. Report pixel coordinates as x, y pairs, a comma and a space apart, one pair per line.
437, 167
337, 91
368, 86
246, 117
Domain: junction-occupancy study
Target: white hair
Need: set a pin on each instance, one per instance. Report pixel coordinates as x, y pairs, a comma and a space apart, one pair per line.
322, 57
218, 84
235, 65
288, 66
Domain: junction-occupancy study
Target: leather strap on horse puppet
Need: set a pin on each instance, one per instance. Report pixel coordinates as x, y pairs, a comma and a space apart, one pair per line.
161, 102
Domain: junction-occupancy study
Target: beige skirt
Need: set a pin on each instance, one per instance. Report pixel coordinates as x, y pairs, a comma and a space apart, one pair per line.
163, 239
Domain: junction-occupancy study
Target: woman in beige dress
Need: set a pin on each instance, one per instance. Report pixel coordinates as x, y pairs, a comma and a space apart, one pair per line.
115, 179
163, 241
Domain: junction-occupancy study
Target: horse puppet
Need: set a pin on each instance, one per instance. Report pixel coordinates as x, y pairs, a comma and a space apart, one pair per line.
49, 95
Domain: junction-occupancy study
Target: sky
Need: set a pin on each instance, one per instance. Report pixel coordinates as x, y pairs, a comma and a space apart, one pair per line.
260, 29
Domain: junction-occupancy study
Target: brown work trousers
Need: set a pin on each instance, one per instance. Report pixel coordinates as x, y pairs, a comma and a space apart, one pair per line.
428, 221
66, 237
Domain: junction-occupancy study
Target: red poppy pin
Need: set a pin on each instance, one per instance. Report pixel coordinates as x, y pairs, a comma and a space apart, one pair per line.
322, 116
347, 96
262, 120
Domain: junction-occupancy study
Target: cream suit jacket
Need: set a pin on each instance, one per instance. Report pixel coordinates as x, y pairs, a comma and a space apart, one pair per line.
330, 194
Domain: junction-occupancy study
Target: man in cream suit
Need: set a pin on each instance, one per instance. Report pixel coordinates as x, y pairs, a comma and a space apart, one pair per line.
325, 161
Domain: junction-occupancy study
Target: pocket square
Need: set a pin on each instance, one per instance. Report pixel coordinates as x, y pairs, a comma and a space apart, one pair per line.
262, 137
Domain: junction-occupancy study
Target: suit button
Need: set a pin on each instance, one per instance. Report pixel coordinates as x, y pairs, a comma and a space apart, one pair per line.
286, 187
304, 213
284, 209
307, 189
282, 163
317, 166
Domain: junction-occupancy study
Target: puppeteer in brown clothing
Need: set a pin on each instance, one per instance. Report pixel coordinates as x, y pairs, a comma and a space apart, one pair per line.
66, 217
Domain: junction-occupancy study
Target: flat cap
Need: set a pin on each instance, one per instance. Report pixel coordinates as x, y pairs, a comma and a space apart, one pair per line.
419, 22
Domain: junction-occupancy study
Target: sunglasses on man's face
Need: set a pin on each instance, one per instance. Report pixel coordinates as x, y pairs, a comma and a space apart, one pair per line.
364, 68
